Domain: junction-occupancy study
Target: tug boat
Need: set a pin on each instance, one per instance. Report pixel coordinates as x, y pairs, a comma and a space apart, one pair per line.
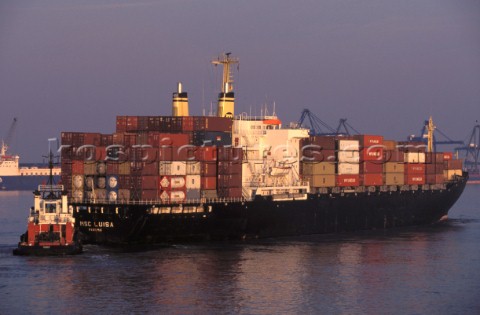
51, 225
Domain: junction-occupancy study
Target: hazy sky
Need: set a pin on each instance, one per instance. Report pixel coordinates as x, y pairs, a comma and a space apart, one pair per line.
386, 65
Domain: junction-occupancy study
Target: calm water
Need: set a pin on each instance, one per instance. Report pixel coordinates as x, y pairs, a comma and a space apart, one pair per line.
427, 270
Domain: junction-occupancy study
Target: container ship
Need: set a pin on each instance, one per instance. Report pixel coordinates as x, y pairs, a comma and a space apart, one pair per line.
161, 179
14, 176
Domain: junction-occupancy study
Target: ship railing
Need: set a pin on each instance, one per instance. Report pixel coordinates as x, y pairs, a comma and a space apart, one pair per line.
161, 202
56, 188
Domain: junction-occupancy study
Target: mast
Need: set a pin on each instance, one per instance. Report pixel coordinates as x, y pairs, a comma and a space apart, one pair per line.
430, 129
226, 99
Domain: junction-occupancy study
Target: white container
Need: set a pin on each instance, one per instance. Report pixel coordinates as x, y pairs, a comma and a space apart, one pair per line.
348, 168
193, 168
173, 168
193, 182
348, 156
348, 145
414, 157
172, 182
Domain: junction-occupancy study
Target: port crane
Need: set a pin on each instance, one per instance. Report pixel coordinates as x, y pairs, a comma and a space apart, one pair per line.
472, 150
317, 127
444, 140
8, 138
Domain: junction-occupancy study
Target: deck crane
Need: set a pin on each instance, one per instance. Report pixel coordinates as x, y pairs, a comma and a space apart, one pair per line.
472, 150
8, 138
424, 136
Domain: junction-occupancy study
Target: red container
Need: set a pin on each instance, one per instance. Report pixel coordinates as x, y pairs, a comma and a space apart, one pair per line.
434, 169
92, 138
126, 182
206, 154
66, 138
414, 168
372, 179
208, 169
208, 183
433, 158
371, 167
66, 167
415, 179
372, 153
434, 179
100, 153
447, 156
366, 141
77, 167
348, 180
149, 182
167, 139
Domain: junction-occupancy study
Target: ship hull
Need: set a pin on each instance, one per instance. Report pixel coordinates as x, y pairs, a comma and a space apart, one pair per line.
264, 217
27, 182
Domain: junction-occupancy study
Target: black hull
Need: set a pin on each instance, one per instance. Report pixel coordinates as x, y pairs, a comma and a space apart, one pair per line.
39, 250
117, 224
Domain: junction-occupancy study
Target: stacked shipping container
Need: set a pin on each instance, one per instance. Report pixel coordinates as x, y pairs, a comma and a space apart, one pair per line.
171, 159
369, 160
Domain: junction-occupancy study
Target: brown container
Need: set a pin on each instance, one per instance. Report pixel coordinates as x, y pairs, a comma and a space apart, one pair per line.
144, 154
313, 153
348, 180
106, 140
229, 153
131, 124
321, 180
433, 158
434, 179
414, 168
412, 146
370, 179
209, 183
208, 123
208, 169
112, 168
127, 182
149, 182
229, 181
123, 195
454, 164
89, 168
187, 123
415, 179
390, 145
394, 178
323, 142
372, 167
394, 167
318, 168
393, 156
431, 169
149, 194
231, 192
229, 168
121, 124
